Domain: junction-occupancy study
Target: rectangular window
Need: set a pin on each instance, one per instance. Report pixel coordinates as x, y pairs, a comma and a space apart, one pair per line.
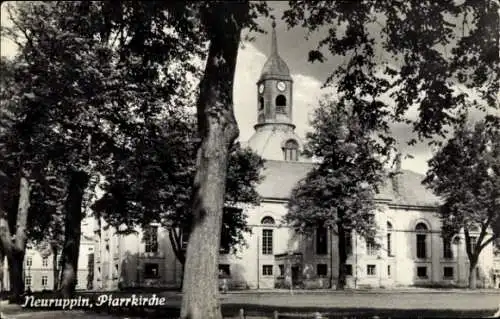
473, 243
45, 281
151, 239
29, 261
267, 242
348, 270
224, 270
321, 241
45, 261
447, 252
282, 270
151, 271
224, 240
421, 246
448, 272
389, 245
371, 248
267, 270
371, 270
184, 238
388, 270
27, 281
321, 270
348, 242
422, 272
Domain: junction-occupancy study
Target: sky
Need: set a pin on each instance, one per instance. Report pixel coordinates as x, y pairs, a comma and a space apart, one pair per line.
307, 77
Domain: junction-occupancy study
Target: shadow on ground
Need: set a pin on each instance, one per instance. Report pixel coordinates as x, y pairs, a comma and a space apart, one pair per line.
260, 311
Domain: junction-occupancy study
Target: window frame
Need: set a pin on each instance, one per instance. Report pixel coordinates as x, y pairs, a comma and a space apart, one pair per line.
371, 270
45, 282
321, 240
445, 277
151, 239
28, 280
389, 238
267, 241
426, 273
282, 105
447, 248
151, 276
322, 267
291, 150
371, 248
266, 267
421, 230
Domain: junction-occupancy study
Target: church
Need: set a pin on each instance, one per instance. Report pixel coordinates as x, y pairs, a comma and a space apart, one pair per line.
411, 251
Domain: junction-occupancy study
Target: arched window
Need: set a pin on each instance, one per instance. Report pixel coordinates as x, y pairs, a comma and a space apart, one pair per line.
261, 103
267, 236
389, 239
280, 104
268, 220
321, 241
421, 230
290, 150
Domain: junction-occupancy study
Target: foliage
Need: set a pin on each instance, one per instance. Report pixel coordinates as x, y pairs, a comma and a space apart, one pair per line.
341, 188
154, 183
431, 50
465, 173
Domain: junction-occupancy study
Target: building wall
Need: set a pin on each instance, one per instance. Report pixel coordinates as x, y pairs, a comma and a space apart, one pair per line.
39, 275
121, 260
246, 266
125, 258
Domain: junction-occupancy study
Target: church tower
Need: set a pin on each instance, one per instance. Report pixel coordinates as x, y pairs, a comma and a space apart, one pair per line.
275, 88
274, 137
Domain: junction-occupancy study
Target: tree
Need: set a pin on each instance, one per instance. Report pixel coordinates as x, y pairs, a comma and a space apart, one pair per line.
112, 81
217, 128
338, 193
466, 174
16, 174
431, 50
154, 183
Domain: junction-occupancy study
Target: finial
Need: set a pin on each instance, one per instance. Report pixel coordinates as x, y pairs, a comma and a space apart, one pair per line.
273, 24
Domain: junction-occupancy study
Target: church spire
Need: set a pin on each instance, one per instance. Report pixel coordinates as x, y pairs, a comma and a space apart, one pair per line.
275, 67
274, 42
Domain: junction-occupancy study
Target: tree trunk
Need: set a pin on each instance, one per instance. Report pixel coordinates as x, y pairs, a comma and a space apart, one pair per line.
55, 268
342, 256
176, 243
218, 129
472, 275
183, 269
72, 231
2, 257
16, 276
14, 247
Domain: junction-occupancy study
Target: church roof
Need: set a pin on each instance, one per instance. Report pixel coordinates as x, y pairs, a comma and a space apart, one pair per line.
269, 140
280, 177
275, 67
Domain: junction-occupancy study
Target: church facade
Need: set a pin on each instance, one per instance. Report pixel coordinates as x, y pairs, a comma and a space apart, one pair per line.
411, 252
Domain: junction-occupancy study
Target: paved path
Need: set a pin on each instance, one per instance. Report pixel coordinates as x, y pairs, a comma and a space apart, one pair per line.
452, 301
325, 301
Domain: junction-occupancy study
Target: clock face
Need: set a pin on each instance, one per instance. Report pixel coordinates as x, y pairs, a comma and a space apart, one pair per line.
281, 86
261, 88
